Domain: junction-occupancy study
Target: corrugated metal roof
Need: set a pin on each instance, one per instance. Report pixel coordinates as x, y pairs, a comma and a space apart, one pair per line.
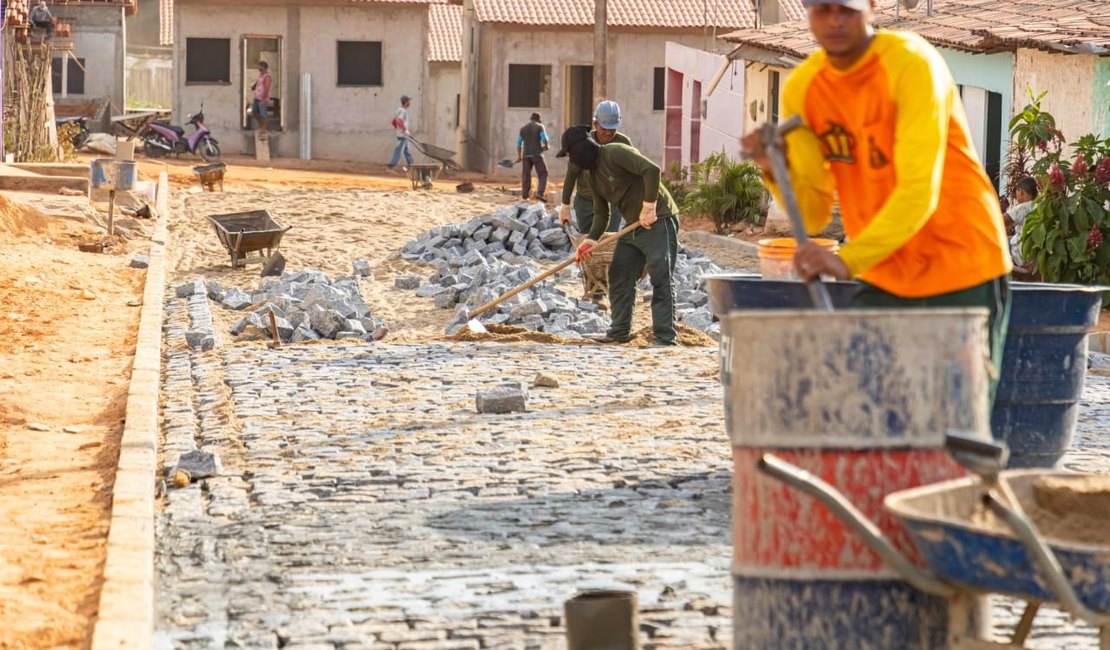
668, 14
445, 33
978, 26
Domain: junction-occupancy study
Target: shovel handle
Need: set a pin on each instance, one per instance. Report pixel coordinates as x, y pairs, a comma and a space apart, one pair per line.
552, 271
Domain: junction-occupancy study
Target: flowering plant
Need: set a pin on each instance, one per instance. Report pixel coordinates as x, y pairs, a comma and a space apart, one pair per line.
1063, 234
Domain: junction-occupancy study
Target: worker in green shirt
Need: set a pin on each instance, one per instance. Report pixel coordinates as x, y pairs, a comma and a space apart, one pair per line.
621, 175
607, 119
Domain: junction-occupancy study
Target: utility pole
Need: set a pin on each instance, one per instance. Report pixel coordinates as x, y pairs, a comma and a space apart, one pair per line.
601, 50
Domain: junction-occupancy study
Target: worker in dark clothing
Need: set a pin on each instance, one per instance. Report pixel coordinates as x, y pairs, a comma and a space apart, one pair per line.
621, 175
607, 119
530, 146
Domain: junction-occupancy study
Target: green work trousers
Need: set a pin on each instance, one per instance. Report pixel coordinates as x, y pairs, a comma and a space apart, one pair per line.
656, 249
993, 294
584, 214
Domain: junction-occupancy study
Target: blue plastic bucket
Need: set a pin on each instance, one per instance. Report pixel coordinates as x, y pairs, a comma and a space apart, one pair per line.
1044, 362
1043, 369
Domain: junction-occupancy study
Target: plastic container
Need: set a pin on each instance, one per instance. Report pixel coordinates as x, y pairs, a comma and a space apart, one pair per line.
862, 399
776, 256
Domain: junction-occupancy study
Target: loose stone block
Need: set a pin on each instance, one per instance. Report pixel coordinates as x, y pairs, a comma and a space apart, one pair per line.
187, 289
545, 380
199, 464
407, 282
362, 268
507, 398
140, 261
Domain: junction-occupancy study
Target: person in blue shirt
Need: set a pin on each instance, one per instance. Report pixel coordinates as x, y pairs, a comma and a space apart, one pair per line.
530, 146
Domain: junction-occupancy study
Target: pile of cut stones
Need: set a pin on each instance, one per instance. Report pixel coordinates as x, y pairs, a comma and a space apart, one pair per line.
307, 306
492, 254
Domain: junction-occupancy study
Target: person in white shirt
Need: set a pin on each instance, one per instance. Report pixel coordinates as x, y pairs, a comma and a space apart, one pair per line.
1014, 217
401, 124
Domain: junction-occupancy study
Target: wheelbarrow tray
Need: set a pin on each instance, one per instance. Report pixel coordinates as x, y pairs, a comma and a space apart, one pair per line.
211, 175
965, 545
248, 232
444, 156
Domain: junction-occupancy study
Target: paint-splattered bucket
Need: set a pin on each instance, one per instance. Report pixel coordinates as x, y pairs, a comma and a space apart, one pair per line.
862, 399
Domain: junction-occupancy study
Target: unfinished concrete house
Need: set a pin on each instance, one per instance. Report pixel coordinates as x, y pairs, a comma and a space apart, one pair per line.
520, 58
339, 68
445, 74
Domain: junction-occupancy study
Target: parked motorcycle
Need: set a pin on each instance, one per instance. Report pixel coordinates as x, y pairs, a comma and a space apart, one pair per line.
161, 139
77, 128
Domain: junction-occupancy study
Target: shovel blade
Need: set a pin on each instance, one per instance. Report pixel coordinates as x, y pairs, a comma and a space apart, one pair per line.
476, 327
506, 163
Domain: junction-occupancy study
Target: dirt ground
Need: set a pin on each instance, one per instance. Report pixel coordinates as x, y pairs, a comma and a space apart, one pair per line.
67, 338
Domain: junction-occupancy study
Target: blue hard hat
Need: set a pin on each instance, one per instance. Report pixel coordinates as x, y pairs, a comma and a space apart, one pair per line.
608, 114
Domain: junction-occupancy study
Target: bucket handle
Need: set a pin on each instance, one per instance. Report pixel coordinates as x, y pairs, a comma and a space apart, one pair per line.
836, 502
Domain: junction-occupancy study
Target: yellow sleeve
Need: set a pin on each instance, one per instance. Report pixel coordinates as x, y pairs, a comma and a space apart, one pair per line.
923, 94
810, 176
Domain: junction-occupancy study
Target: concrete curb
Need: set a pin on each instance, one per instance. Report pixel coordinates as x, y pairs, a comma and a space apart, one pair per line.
713, 238
126, 613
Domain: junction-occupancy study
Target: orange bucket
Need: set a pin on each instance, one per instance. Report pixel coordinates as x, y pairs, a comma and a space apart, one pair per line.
776, 256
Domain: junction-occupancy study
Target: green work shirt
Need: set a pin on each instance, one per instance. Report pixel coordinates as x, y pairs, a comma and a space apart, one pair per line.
580, 177
628, 179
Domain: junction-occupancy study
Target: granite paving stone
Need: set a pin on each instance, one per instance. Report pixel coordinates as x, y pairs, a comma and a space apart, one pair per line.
364, 504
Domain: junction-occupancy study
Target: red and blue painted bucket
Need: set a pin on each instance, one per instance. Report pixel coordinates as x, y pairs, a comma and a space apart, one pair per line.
862, 399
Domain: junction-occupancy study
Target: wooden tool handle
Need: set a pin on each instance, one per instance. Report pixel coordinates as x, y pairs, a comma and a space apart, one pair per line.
552, 271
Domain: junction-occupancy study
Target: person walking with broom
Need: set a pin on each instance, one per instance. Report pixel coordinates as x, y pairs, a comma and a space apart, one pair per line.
621, 175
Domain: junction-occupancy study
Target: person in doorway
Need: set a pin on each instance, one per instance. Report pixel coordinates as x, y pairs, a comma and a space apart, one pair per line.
261, 101
885, 132
607, 119
401, 126
530, 145
42, 18
1014, 217
621, 175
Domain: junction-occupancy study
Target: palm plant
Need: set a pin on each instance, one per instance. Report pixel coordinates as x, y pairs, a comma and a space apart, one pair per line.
727, 191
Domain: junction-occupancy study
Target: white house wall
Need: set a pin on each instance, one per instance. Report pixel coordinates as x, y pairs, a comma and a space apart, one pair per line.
444, 86
632, 60
1069, 80
98, 38
723, 123
349, 123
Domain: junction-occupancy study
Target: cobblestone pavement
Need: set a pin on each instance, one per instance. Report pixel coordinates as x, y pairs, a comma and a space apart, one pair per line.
364, 503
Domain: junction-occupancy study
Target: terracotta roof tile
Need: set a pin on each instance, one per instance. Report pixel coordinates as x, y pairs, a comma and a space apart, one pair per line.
978, 26
445, 33
668, 14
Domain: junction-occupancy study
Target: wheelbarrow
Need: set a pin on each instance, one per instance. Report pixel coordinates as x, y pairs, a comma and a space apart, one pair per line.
975, 543
211, 175
243, 233
445, 157
423, 175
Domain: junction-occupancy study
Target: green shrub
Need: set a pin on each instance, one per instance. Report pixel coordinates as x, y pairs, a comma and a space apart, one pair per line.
1064, 232
729, 192
674, 179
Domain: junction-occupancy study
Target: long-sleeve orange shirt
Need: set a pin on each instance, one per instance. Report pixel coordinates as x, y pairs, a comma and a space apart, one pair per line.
889, 137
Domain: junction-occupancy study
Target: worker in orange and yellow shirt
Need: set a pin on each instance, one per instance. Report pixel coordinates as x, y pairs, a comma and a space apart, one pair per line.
887, 135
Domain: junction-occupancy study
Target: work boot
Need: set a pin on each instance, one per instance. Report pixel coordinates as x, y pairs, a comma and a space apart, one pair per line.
611, 338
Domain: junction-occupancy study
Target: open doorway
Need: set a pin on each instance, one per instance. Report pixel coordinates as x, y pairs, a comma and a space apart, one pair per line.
262, 48
580, 94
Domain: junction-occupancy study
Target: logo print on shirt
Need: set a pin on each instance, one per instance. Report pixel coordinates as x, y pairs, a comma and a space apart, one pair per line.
875, 155
838, 144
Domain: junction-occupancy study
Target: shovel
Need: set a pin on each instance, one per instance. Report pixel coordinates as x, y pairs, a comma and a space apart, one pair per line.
506, 163
818, 292
476, 326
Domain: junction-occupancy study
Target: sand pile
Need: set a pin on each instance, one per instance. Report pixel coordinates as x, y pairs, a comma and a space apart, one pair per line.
16, 219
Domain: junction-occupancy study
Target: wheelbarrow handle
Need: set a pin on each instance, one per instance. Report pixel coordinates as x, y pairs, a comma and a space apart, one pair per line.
1045, 561
810, 484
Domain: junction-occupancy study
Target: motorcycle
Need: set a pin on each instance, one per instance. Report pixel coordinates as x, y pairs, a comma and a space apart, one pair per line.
161, 139
77, 128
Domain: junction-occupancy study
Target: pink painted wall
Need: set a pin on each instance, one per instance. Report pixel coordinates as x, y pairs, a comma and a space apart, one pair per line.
696, 125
